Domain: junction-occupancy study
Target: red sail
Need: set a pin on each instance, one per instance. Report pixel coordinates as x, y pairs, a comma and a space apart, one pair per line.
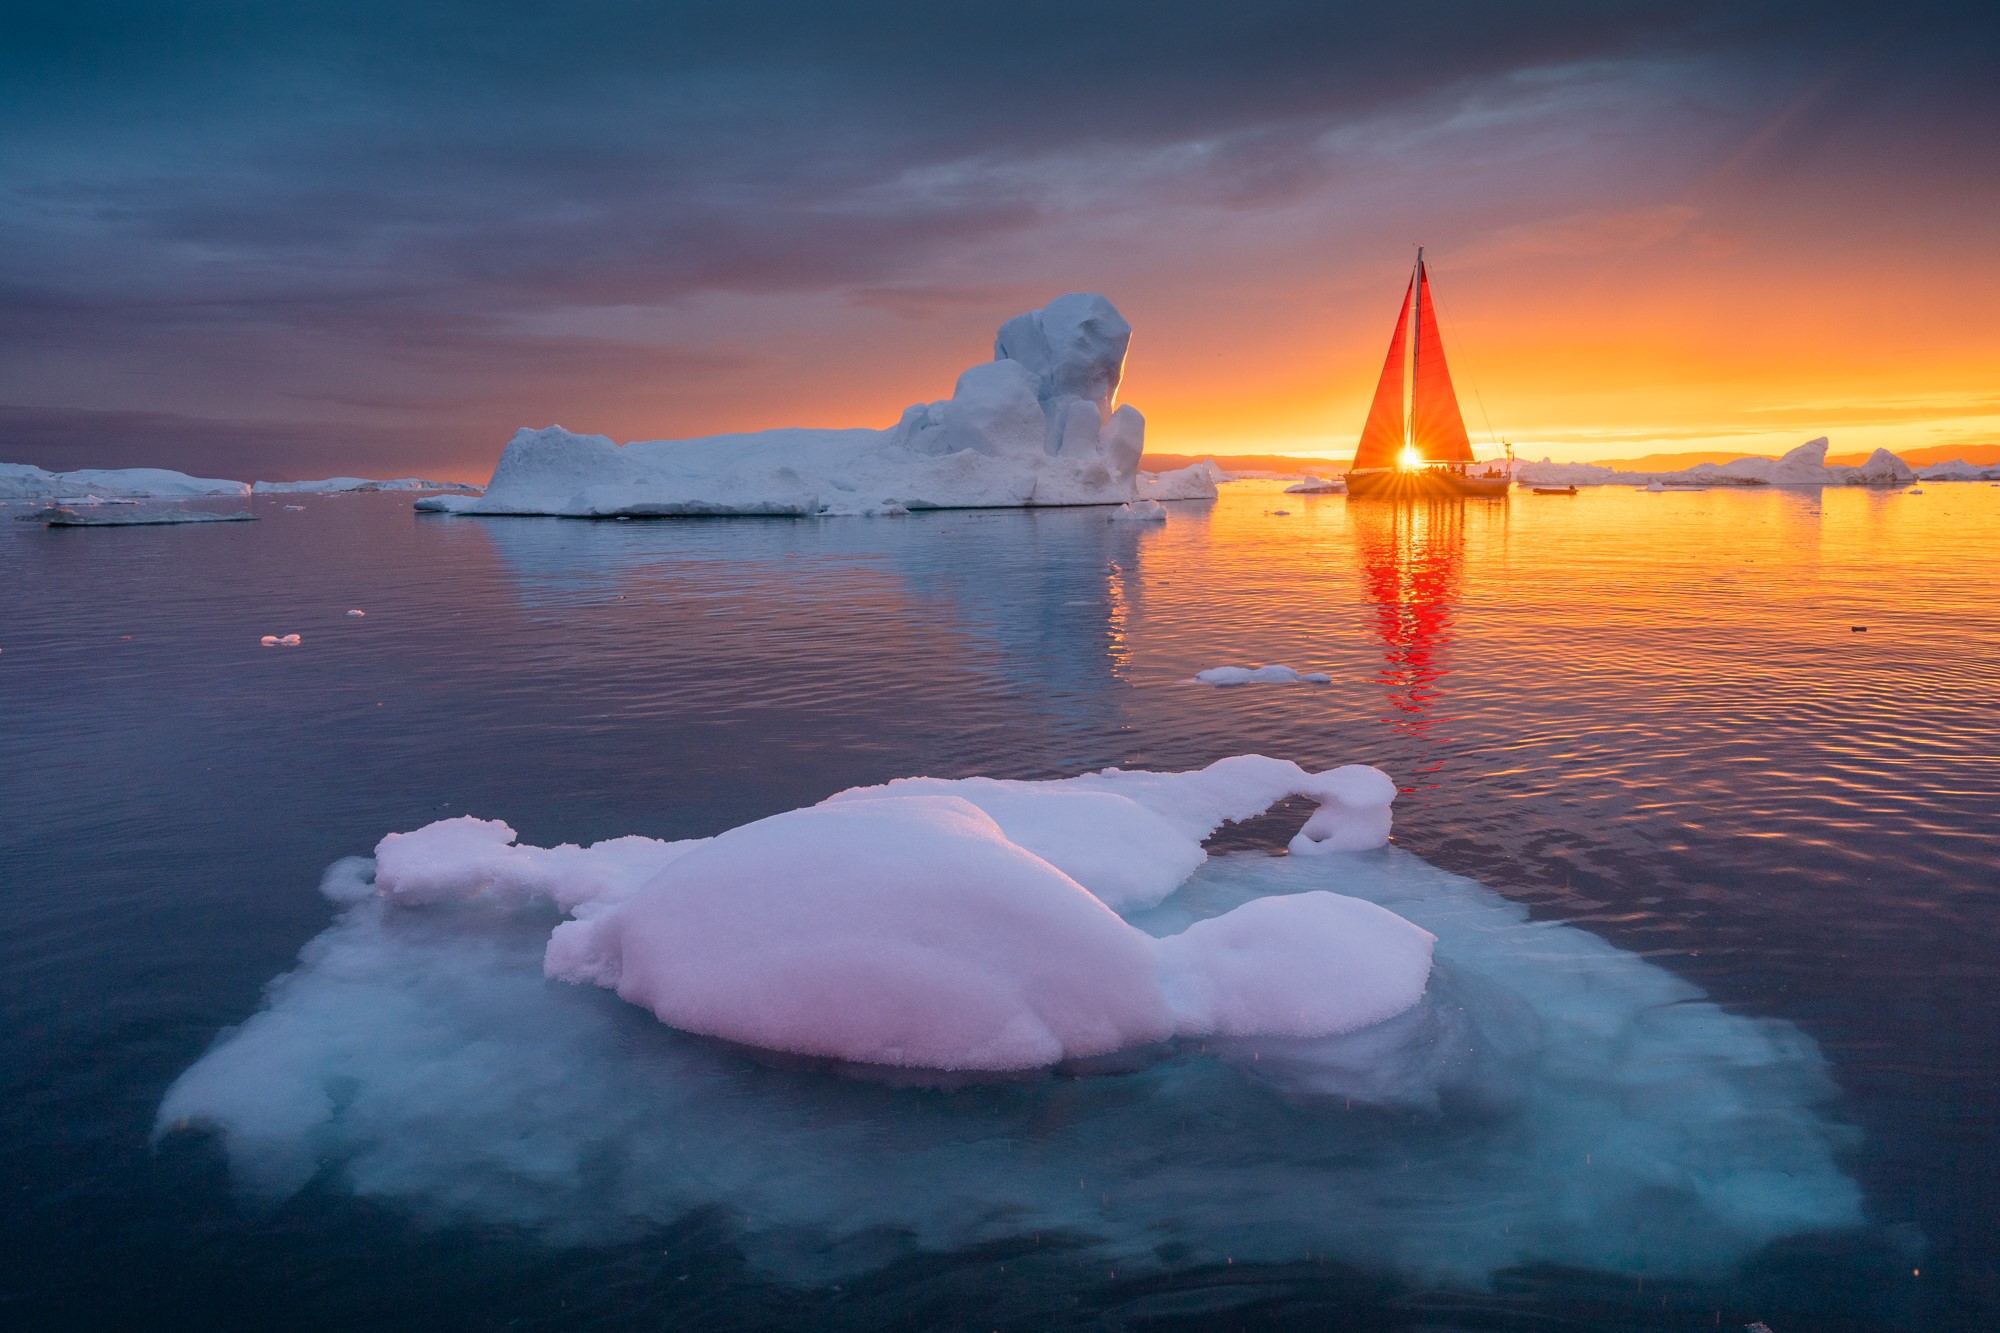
1382, 436
1436, 427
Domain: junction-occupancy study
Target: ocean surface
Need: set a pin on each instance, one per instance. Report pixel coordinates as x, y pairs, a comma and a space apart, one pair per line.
1751, 738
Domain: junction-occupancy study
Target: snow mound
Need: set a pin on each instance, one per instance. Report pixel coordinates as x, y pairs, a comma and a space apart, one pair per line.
337, 485
1036, 425
1318, 486
19, 481
1440, 1060
1263, 675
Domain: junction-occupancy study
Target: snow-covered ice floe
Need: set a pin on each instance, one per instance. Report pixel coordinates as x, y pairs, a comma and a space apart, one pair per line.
1318, 486
1344, 1053
1803, 466
19, 481
1275, 674
338, 485
1139, 511
122, 517
1036, 425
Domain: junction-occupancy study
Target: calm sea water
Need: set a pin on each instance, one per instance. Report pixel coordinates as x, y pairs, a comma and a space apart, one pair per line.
1748, 735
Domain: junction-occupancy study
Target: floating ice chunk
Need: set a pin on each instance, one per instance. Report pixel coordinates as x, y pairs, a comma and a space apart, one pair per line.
1305, 965
295, 508
1914, 490
1880, 468
280, 641
1139, 511
417, 1057
1263, 675
1318, 486
357, 613
130, 518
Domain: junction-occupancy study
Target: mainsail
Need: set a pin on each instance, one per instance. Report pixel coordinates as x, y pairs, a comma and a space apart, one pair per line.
1382, 439
1437, 429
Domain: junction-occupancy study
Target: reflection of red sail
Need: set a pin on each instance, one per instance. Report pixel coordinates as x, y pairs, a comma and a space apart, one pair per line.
1412, 561
1382, 436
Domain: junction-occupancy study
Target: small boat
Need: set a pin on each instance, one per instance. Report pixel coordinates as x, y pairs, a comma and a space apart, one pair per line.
1555, 490
1426, 451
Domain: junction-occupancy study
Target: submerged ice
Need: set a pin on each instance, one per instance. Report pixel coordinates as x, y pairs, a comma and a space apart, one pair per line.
1343, 1052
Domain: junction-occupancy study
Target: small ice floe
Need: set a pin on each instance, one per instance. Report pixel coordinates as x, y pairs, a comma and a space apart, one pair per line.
1914, 490
299, 509
1139, 511
1318, 486
357, 613
128, 518
1276, 674
278, 641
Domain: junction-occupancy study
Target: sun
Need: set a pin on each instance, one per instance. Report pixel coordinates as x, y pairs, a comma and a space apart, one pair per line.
1408, 459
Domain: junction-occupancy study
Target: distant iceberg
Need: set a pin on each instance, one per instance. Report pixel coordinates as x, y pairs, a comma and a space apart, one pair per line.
1803, 466
1034, 426
340, 485
19, 481
1343, 1053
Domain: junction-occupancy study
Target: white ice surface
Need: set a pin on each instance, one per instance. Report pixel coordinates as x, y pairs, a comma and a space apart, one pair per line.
19, 481
336, 485
1318, 486
1036, 425
1276, 674
1139, 511
1550, 1099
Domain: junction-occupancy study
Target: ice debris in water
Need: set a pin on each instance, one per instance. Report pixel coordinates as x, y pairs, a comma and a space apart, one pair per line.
280, 641
1139, 511
357, 613
418, 1055
1277, 674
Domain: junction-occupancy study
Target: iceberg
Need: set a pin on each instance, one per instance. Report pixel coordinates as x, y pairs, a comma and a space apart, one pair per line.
20, 481
1318, 486
1958, 469
1036, 425
130, 518
938, 1013
340, 485
1803, 466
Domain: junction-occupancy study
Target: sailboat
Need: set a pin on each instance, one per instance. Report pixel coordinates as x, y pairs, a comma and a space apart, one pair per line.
1427, 451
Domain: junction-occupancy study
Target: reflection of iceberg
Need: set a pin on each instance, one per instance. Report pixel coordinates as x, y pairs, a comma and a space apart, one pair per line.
1035, 425
1551, 1100
1412, 562
1028, 604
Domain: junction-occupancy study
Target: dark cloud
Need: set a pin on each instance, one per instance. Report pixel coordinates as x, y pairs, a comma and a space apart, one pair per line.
361, 206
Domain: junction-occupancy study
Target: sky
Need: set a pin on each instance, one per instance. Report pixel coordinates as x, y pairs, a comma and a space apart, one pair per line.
292, 240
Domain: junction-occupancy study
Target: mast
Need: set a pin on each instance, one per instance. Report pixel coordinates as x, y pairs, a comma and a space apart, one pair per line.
1416, 354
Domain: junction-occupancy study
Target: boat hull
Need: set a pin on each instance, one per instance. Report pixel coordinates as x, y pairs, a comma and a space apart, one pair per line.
1426, 483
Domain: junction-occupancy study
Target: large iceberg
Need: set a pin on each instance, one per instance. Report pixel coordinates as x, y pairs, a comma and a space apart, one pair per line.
1036, 425
1339, 1054
1803, 466
21, 481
